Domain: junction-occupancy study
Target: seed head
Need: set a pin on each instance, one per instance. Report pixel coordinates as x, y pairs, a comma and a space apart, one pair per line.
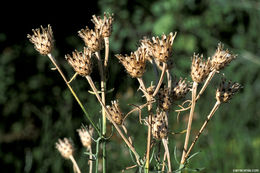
165, 98
103, 25
159, 125
85, 135
221, 58
81, 62
135, 63
65, 147
180, 89
92, 39
161, 49
226, 90
42, 39
200, 68
116, 113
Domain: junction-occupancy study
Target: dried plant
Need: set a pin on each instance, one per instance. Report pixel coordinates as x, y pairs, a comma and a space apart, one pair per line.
160, 98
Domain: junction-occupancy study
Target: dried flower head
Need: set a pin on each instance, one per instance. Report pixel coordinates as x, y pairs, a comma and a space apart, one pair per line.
65, 147
92, 39
42, 39
150, 89
165, 98
81, 62
115, 112
226, 90
159, 125
103, 25
200, 68
85, 135
161, 49
221, 58
180, 89
135, 63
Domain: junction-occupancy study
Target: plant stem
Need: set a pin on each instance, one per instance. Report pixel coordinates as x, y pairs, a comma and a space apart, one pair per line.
211, 75
166, 148
194, 90
103, 96
73, 93
214, 109
110, 118
75, 165
161, 80
90, 160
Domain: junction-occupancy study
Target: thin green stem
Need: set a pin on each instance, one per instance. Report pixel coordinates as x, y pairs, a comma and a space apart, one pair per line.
73, 93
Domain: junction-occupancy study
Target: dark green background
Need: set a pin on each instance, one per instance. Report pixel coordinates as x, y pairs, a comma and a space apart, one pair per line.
36, 108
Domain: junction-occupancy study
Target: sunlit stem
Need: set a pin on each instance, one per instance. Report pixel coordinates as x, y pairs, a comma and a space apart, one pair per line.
73, 93
166, 148
75, 165
211, 75
161, 79
194, 90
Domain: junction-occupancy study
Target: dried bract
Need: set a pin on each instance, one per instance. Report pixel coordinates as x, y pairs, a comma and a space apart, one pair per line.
221, 58
159, 125
200, 68
135, 63
226, 90
85, 135
165, 98
42, 39
161, 49
92, 39
65, 147
103, 25
81, 61
180, 89
115, 112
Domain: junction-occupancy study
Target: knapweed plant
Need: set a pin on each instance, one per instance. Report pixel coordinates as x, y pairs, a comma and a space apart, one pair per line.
159, 95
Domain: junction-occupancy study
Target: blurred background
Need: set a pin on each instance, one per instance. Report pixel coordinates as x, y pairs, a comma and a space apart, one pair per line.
36, 108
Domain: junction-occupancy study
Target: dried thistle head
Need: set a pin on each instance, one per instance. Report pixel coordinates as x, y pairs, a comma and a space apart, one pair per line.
180, 89
200, 68
150, 89
85, 135
81, 61
42, 39
115, 112
165, 98
221, 58
159, 125
65, 147
161, 49
135, 63
226, 90
103, 25
92, 39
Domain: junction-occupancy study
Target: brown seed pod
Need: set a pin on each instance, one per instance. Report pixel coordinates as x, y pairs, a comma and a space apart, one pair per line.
165, 98
159, 125
180, 89
92, 39
115, 112
65, 147
81, 61
103, 25
85, 135
221, 58
226, 90
135, 63
42, 39
200, 68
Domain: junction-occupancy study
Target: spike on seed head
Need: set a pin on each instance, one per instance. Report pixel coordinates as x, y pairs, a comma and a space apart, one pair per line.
115, 112
42, 38
200, 68
81, 61
135, 63
221, 58
92, 39
85, 135
226, 90
180, 89
65, 147
103, 25
159, 125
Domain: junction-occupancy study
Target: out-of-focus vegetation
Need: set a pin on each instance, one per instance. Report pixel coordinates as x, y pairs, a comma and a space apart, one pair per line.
36, 107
